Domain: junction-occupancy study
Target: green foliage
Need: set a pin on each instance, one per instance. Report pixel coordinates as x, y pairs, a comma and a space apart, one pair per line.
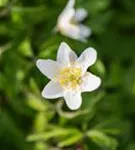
106, 119
103, 140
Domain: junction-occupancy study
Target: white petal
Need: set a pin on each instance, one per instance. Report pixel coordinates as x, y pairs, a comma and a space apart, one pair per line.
87, 58
52, 90
80, 14
67, 14
85, 31
90, 82
70, 4
65, 17
77, 32
48, 67
65, 55
72, 31
73, 99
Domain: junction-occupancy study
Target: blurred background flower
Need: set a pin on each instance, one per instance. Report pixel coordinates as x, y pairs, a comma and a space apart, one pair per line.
106, 118
69, 22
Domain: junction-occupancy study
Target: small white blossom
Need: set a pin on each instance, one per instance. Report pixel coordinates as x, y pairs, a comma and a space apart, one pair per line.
69, 22
69, 76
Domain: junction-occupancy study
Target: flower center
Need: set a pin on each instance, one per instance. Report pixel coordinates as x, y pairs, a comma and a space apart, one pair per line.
70, 77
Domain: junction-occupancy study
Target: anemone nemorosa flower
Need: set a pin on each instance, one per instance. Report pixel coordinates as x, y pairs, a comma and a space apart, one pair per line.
69, 24
69, 76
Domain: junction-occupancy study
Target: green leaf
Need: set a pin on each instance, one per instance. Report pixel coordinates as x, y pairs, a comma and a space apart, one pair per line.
99, 66
131, 146
54, 133
25, 48
102, 139
75, 138
10, 130
40, 145
47, 52
3, 2
34, 87
40, 122
35, 103
97, 5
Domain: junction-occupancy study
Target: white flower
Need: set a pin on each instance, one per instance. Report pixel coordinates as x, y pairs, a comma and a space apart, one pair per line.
69, 76
69, 22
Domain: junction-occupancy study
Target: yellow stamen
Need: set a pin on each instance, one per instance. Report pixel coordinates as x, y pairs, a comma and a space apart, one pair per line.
70, 77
